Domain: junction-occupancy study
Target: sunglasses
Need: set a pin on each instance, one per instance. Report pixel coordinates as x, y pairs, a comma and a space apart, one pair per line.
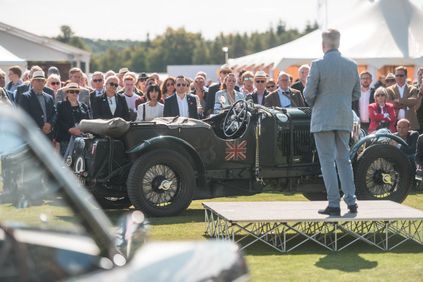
113, 84
170, 84
390, 80
399, 75
248, 78
380, 95
97, 80
73, 91
181, 84
260, 81
55, 83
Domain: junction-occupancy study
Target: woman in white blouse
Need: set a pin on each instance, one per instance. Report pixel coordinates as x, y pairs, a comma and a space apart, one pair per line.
152, 108
228, 95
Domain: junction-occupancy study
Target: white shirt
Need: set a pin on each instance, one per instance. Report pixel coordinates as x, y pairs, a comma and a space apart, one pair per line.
150, 112
401, 112
283, 99
130, 101
112, 104
363, 106
183, 106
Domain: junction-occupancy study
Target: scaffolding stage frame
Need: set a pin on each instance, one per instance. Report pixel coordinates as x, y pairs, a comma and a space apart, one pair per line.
285, 226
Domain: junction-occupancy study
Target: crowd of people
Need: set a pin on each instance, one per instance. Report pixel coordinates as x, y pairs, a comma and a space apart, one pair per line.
58, 106
395, 104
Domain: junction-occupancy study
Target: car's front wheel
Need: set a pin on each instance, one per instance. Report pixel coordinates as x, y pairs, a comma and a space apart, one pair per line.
161, 183
383, 172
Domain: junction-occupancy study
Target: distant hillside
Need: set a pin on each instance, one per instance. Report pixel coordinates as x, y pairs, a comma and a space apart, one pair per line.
100, 45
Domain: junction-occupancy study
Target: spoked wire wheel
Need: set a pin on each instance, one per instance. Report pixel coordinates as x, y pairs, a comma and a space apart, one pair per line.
382, 178
383, 172
161, 183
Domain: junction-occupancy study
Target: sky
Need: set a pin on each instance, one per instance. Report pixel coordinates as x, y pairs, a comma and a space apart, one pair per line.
126, 19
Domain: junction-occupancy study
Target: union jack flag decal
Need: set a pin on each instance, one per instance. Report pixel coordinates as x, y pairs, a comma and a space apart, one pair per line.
236, 150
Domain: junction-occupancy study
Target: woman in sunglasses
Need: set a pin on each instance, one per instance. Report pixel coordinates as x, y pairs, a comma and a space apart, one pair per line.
69, 113
270, 85
53, 81
381, 114
228, 95
168, 87
110, 104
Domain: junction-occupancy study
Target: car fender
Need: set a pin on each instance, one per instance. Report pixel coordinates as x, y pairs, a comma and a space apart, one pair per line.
166, 141
356, 147
210, 260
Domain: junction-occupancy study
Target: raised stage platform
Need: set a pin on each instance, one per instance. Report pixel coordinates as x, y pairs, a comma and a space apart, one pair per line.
287, 225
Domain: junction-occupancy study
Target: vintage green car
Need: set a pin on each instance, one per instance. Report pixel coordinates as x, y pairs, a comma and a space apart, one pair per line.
162, 165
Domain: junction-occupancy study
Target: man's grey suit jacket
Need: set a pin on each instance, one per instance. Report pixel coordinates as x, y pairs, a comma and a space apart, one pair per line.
333, 83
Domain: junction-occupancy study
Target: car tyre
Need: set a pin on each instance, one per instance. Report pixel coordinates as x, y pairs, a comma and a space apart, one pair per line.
161, 183
383, 173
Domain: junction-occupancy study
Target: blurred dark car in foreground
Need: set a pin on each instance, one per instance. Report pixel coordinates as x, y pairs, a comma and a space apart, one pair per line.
52, 229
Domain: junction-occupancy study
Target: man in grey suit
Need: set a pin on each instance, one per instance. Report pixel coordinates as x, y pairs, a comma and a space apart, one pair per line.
332, 85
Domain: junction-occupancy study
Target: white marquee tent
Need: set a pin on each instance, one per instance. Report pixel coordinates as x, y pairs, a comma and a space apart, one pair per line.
7, 59
32, 47
385, 32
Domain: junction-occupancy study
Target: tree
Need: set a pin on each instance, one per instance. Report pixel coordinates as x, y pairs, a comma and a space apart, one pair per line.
311, 27
238, 46
179, 47
68, 36
280, 28
139, 62
201, 54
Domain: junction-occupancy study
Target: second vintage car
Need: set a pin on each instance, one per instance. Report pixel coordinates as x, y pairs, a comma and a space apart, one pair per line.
161, 166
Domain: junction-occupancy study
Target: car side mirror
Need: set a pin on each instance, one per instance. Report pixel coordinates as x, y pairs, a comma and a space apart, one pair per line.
131, 233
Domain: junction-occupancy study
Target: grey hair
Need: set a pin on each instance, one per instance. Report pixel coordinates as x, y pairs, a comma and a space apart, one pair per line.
332, 38
381, 90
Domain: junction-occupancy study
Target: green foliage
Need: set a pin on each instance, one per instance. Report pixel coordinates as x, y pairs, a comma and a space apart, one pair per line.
68, 36
178, 47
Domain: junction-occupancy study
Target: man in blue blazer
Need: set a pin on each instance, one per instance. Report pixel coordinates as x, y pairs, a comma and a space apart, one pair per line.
39, 105
182, 104
26, 87
332, 85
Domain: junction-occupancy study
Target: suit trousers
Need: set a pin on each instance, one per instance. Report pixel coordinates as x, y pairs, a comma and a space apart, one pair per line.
333, 150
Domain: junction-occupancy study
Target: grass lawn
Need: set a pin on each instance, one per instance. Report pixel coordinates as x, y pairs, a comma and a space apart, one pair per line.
358, 262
